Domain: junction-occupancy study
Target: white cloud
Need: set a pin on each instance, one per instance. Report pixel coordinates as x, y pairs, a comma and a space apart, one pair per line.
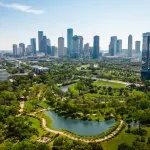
23, 8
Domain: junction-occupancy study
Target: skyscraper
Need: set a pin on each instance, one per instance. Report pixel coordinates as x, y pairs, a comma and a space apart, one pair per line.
69, 41
54, 51
60, 47
145, 72
33, 45
80, 46
14, 49
75, 47
96, 48
40, 39
87, 50
119, 46
44, 45
29, 50
130, 40
113, 46
22, 49
138, 47
48, 47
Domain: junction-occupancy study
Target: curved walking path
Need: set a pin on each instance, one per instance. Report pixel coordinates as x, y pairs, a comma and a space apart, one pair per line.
81, 139
107, 137
22, 103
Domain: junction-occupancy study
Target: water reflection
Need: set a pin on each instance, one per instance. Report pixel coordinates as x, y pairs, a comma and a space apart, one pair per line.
79, 127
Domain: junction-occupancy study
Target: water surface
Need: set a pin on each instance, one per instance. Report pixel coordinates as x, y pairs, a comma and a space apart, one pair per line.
79, 127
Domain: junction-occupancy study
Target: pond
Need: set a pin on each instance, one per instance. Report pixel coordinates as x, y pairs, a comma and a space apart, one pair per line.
79, 127
3, 75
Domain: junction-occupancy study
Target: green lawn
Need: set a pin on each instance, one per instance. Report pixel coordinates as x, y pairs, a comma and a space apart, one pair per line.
36, 124
43, 104
121, 138
109, 84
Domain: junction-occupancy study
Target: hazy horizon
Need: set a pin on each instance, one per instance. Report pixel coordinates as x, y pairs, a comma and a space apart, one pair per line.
21, 20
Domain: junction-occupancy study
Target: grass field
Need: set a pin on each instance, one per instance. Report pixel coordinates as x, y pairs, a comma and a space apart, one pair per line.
121, 138
36, 124
108, 84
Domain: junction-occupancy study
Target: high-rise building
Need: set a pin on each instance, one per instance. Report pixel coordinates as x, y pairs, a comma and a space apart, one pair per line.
80, 46
75, 47
96, 49
130, 40
65, 52
48, 47
138, 47
69, 41
60, 47
53, 51
14, 49
22, 49
145, 72
44, 45
40, 40
87, 50
29, 50
33, 45
119, 46
113, 46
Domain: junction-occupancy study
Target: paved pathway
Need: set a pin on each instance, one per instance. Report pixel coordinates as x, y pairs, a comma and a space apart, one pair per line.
21, 106
107, 137
81, 139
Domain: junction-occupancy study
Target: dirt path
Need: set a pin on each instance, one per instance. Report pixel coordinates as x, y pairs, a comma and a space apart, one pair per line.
21, 106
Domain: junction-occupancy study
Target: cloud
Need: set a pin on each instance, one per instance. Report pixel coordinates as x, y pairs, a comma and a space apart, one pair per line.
23, 8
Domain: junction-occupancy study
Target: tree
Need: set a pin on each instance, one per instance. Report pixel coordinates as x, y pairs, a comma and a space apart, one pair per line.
96, 146
124, 146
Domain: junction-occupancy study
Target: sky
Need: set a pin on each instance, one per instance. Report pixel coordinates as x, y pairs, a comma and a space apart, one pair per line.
20, 20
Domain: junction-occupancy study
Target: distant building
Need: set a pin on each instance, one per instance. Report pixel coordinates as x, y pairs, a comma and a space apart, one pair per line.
87, 50
75, 48
54, 51
96, 48
65, 52
80, 46
60, 47
130, 45
14, 49
22, 49
29, 50
138, 47
49, 48
44, 45
145, 72
113, 46
69, 41
33, 46
40, 38
119, 46
39, 69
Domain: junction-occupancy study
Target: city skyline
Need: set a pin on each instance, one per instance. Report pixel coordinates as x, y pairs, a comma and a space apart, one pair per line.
54, 17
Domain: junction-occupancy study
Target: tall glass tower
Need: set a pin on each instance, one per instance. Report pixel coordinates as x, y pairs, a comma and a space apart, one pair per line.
145, 72
96, 47
33, 45
130, 44
40, 38
69, 41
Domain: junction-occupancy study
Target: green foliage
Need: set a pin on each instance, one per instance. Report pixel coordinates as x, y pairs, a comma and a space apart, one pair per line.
25, 145
63, 143
108, 84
